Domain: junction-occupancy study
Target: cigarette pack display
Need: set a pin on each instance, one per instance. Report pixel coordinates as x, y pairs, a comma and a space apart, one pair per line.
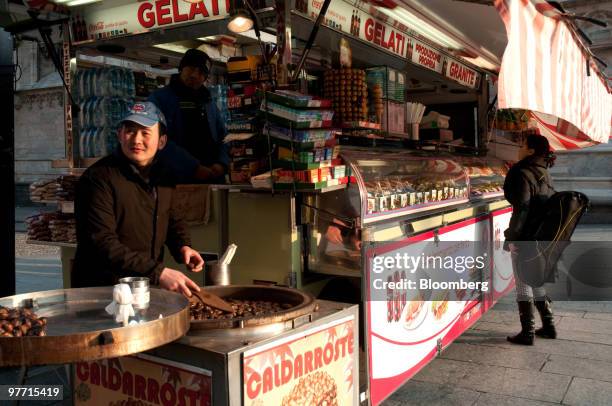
303, 176
338, 171
286, 164
297, 100
325, 174
298, 118
242, 170
301, 136
245, 145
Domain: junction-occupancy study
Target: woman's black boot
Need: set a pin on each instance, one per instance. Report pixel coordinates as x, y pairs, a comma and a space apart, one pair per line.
548, 329
526, 336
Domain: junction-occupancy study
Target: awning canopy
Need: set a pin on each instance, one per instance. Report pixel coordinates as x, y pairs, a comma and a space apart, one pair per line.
546, 69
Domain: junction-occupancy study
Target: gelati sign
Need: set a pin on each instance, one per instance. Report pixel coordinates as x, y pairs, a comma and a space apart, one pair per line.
105, 20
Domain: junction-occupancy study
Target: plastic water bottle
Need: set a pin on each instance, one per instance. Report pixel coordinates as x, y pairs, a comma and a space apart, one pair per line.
87, 112
83, 143
99, 142
111, 141
117, 89
76, 90
130, 83
82, 121
83, 85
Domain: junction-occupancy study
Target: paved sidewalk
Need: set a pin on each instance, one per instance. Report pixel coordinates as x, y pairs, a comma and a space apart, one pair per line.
482, 368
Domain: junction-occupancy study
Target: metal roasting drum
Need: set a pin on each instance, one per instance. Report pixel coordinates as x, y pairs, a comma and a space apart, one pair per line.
303, 304
79, 329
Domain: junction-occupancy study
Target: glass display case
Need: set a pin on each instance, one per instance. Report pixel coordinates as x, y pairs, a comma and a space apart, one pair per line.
398, 183
486, 176
390, 190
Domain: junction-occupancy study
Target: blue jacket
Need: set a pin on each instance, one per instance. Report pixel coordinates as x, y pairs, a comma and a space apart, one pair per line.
178, 159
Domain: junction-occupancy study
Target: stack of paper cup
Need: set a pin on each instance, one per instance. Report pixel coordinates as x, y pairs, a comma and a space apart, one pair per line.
414, 115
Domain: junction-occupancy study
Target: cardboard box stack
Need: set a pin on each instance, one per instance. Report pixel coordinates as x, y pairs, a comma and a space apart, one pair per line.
305, 144
246, 145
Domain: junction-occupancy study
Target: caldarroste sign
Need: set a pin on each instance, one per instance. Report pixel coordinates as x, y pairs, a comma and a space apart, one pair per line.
109, 19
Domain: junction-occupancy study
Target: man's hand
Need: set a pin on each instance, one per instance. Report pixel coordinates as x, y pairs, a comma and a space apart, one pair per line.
209, 172
218, 170
192, 258
333, 234
203, 173
175, 281
510, 247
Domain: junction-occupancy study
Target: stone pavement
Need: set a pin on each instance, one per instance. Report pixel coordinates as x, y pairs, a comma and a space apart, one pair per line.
482, 368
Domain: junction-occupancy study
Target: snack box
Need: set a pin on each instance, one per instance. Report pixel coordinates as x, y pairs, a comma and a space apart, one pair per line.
299, 119
297, 100
338, 171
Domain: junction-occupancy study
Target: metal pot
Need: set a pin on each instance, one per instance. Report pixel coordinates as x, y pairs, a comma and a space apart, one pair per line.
217, 274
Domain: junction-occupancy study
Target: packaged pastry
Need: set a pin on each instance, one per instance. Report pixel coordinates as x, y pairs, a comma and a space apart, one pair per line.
371, 205
382, 204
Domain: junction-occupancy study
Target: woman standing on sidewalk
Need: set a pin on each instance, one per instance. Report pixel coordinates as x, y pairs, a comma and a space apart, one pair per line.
527, 187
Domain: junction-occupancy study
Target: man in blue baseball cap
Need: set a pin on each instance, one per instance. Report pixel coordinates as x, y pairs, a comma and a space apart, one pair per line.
124, 214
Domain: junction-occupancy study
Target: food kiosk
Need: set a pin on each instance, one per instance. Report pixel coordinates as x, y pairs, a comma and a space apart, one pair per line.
399, 190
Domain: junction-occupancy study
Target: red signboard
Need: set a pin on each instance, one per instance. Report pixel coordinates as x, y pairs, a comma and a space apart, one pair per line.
104, 20
312, 368
141, 379
461, 73
426, 56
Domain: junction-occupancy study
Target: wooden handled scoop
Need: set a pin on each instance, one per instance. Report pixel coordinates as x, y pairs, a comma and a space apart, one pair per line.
213, 301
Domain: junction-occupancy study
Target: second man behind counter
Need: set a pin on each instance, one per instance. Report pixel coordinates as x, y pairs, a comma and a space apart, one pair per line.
195, 151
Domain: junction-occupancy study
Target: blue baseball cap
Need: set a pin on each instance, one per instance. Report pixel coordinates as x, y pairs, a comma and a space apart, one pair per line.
146, 114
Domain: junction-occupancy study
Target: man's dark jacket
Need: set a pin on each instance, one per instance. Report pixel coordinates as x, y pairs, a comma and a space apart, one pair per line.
123, 222
527, 187
179, 160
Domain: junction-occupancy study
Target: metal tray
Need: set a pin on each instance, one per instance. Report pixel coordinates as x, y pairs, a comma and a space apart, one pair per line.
303, 304
79, 329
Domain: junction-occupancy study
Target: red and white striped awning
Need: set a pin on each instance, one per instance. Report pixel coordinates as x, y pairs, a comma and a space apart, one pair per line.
544, 69
561, 134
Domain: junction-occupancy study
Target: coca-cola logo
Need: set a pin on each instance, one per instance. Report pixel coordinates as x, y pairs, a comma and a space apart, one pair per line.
138, 108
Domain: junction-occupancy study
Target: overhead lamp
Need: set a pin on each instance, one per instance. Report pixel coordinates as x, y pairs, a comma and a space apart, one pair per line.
241, 20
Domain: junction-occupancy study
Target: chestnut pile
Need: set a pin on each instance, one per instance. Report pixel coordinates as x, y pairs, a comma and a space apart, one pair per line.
315, 389
20, 322
242, 308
